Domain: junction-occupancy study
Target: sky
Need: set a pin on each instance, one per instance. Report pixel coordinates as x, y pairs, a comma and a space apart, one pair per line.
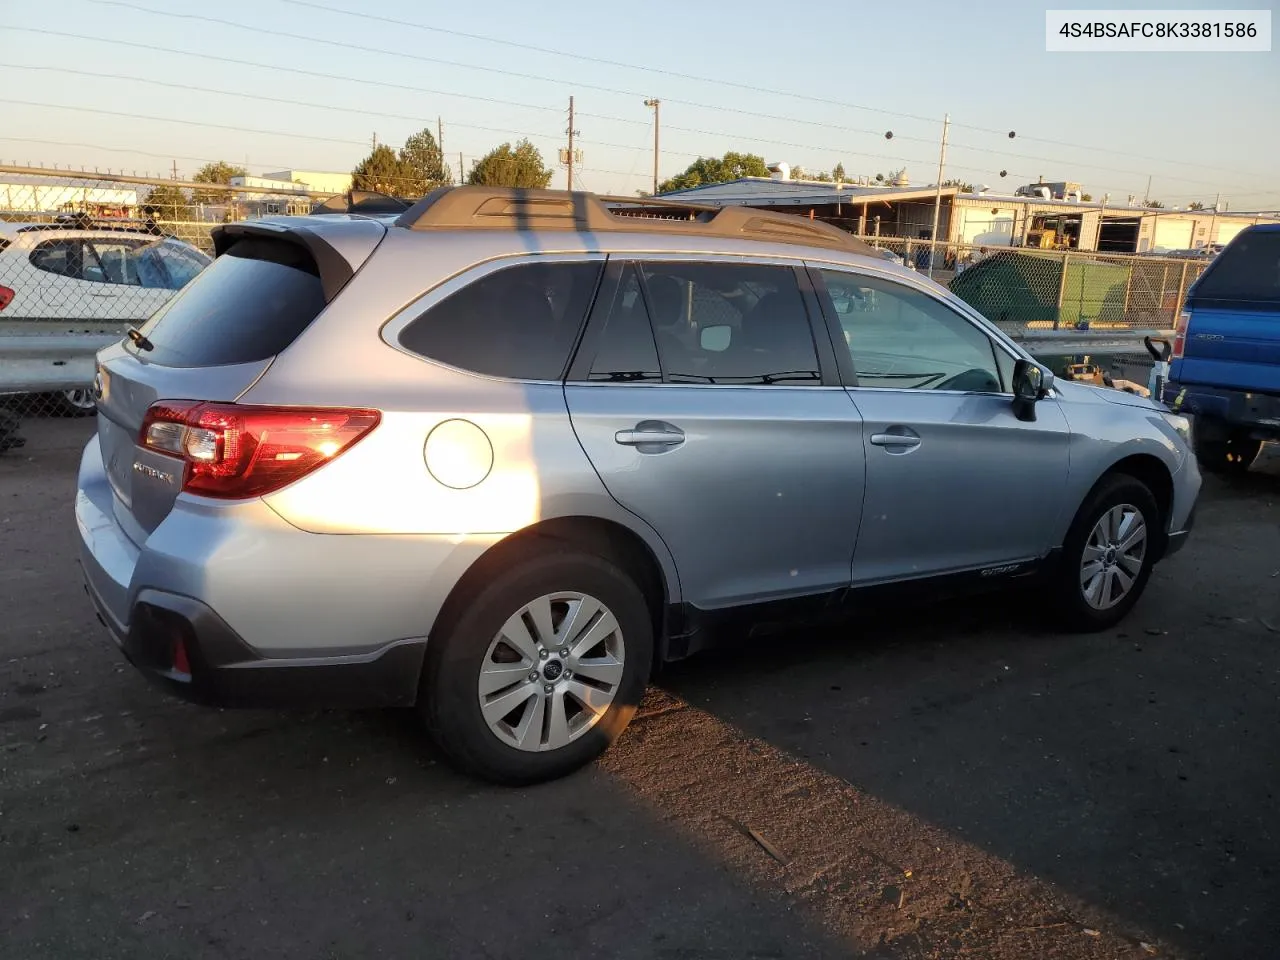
142, 85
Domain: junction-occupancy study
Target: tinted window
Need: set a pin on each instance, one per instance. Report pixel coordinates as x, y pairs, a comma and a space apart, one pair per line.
181, 263
1249, 269
249, 305
114, 261
627, 353
902, 338
520, 322
63, 257
730, 323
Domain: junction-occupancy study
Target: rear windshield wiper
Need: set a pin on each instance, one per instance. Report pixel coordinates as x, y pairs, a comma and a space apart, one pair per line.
140, 339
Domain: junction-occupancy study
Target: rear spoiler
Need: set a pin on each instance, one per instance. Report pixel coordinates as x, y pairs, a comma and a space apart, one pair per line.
335, 269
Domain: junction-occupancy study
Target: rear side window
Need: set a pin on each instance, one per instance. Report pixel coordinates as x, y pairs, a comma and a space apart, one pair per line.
1248, 270
62, 257
730, 323
249, 305
520, 322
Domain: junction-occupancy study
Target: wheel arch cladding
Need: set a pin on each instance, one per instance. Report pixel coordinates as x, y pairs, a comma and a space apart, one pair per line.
605, 538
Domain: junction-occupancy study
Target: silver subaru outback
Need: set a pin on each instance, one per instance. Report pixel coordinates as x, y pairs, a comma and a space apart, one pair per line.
502, 454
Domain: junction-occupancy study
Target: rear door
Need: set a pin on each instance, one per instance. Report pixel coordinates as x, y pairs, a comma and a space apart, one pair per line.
955, 481
1232, 338
722, 425
209, 343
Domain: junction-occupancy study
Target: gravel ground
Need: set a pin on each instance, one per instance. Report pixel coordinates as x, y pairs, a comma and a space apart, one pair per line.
951, 782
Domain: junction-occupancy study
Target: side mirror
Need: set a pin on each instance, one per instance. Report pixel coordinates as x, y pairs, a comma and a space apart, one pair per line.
715, 338
1031, 383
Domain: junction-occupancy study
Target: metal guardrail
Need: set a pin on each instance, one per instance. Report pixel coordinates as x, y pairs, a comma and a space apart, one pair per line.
44, 364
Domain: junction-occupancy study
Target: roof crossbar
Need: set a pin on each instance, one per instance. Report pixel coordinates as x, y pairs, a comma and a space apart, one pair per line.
514, 208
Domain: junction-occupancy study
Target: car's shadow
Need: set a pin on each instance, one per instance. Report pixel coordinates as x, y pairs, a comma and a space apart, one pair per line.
1135, 769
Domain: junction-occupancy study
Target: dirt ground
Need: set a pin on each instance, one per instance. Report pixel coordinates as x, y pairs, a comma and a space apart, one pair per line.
950, 782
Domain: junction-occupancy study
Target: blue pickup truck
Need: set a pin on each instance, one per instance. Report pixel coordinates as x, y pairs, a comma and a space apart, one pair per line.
1226, 353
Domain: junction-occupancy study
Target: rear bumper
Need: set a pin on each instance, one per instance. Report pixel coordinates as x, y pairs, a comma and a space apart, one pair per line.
184, 647
267, 615
1256, 413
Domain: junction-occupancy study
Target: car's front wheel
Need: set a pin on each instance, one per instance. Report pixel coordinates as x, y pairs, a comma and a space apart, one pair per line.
1108, 554
540, 669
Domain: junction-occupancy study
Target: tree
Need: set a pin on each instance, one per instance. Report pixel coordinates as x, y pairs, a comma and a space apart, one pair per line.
507, 166
1195, 205
1086, 197
217, 172
706, 170
964, 187
167, 203
1153, 204
382, 172
837, 173
423, 164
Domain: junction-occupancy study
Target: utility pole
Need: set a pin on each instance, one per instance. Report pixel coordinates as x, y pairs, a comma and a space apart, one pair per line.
461, 180
656, 104
571, 133
175, 169
1146, 197
1213, 221
440, 143
937, 199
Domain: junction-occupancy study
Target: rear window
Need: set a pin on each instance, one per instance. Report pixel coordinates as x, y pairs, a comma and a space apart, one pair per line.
521, 322
1248, 270
250, 304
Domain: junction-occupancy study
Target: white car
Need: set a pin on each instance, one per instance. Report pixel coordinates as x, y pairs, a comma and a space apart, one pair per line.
71, 277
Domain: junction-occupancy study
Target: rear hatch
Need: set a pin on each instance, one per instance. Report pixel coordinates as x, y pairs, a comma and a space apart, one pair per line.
212, 342
1231, 321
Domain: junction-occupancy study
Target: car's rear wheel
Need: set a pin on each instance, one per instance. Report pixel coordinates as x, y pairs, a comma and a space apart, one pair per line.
1108, 554
1233, 455
540, 670
74, 403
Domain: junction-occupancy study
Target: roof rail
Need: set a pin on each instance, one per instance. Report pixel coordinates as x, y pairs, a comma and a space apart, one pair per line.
362, 201
516, 208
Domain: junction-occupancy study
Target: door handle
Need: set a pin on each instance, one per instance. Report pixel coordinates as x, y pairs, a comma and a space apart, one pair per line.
895, 440
638, 438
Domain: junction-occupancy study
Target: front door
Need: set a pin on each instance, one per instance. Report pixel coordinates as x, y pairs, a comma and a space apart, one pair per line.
955, 481
713, 423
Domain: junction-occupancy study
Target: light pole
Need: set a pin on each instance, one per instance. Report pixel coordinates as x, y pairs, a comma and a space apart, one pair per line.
656, 104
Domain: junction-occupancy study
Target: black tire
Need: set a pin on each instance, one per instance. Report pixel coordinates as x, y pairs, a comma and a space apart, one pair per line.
1230, 457
449, 699
1112, 491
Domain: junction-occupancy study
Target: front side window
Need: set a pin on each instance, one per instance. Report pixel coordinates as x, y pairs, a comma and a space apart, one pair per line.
730, 323
902, 338
519, 322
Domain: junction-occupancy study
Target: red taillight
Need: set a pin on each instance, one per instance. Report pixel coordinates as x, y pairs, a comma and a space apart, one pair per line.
1180, 334
6, 297
235, 452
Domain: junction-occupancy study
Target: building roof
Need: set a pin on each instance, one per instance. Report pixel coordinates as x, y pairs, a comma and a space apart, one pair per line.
765, 191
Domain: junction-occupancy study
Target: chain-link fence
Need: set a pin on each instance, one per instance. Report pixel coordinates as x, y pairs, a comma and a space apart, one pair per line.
1027, 289
83, 259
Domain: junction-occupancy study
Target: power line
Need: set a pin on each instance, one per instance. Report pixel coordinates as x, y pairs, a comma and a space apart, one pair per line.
740, 111
734, 84
267, 99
